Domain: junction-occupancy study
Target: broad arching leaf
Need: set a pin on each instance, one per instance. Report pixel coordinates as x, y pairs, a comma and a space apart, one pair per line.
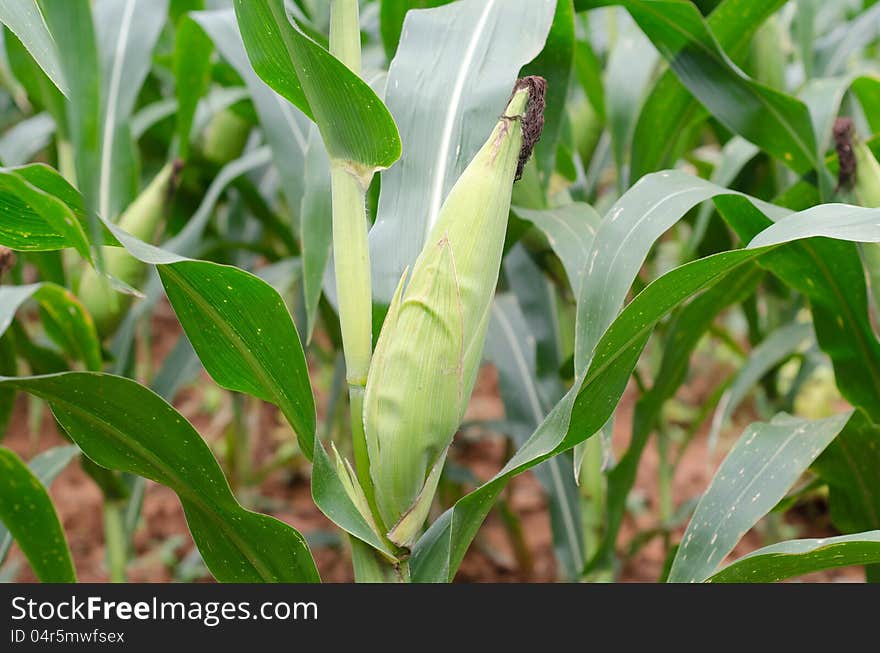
45, 467
244, 335
23, 18
777, 562
122, 425
762, 466
671, 110
28, 514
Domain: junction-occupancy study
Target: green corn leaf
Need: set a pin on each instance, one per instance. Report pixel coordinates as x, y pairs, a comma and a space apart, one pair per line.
244, 336
851, 38
121, 425
41, 91
588, 70
622, 242
849, 466
237, 323
186, 243
798, 557
21, 143
317, 226
804, 33
192, 74
510, 347
444, 117
867, 90
680, 341
830, 274
631, 64
126, 33
334, 501
582, 412
854, 223
356, 126
762, 466
772, 120
671, 109
569, 230
23, 18
28, 514
45, 467
392, 15
842, 346
778, 347
35, 220
71, 24
63, 316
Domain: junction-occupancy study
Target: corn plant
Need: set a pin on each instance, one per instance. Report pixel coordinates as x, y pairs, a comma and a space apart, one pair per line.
587, 195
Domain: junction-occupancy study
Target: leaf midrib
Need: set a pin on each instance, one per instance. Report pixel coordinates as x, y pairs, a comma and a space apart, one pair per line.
270, 385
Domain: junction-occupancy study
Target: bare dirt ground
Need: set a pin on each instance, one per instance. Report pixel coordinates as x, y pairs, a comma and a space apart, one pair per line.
162, 540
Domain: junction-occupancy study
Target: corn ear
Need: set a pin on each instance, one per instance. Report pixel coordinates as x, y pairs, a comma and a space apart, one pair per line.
867, 189
768, 59
867, 185
141, 219
225, 137
414, 389
430, 347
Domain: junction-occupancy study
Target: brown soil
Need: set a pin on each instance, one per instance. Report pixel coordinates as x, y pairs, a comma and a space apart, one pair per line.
162, 540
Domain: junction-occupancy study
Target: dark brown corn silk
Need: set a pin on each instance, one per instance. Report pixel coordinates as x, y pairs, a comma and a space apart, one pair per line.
843, 135
174, 182
533, 120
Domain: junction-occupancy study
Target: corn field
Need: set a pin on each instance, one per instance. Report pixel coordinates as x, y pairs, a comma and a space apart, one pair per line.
423, 291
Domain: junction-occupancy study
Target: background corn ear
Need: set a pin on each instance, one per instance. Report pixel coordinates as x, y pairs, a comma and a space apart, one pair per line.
142, 219
867, 176
867, 189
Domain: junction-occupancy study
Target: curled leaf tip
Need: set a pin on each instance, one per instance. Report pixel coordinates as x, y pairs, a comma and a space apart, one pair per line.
533, 120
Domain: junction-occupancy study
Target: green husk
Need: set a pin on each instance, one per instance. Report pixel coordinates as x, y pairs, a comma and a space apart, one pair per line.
867, 189
225, 137
431, 343
142, 220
